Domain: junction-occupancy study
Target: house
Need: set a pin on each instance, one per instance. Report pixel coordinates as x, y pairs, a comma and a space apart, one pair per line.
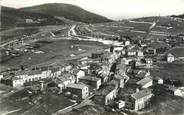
177, 52
120, 104
68, 67
17, 82
29, 20
149, 61
140, 54
103, 73
1, 76
126, 42
120, 66
65, 79
12, 81
105, 95
79, 74
120, 80
134, 51
91, 81
145, 82
62, 83
80, 90
144, 63
158, 80
180, 92
177, 91
150, 51
97, 55
170, 58
172, 90
54, 72
158, 47
138, 100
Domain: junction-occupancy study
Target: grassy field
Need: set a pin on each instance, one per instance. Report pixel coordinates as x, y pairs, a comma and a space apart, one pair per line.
170, 70
58, 51
18, 32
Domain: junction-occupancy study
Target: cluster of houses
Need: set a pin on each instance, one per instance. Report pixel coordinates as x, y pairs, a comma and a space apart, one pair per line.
119, 75
19, 78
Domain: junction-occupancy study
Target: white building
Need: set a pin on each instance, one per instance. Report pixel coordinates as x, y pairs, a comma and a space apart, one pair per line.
80, 90
17, 82
180, 92
1, 76
170, 58
139, 100
145, 82
80, 74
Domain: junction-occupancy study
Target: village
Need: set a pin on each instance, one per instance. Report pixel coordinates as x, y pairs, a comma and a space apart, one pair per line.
118, 78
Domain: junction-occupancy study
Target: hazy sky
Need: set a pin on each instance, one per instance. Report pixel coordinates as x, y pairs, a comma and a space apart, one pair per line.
114, 9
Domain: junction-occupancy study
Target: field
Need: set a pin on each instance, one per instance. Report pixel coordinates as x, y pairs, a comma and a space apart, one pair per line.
138, 28
18, 32
55, 51
171, 71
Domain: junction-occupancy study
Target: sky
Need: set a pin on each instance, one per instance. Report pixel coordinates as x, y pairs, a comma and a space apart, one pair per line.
114, 9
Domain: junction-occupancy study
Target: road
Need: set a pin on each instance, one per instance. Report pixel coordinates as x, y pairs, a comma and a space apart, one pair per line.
6, 113
85, 102
72, 31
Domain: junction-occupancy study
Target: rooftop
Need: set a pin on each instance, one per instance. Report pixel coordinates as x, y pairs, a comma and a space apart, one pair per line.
141, 74
170, 55
21, 73
105, 90
141, 94
144, 81
134, 48
15, 78
77, 86
90, 78
34, 72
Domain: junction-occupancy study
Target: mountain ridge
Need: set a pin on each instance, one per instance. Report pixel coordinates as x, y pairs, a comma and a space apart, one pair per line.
68, 11
12, 17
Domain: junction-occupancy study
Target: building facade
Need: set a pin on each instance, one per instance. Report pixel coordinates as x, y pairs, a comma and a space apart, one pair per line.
80, 90
139, 100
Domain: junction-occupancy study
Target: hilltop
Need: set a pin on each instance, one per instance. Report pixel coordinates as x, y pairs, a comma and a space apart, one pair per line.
178, 16
67, 11
11, 17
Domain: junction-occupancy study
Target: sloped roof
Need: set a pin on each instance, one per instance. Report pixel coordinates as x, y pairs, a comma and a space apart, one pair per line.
170, 55
34, 72
77, 86
141, 94
144, 81
90, 78
105, 90
134, 48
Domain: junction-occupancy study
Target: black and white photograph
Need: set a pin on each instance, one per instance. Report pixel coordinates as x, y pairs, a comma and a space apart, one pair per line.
92, 57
